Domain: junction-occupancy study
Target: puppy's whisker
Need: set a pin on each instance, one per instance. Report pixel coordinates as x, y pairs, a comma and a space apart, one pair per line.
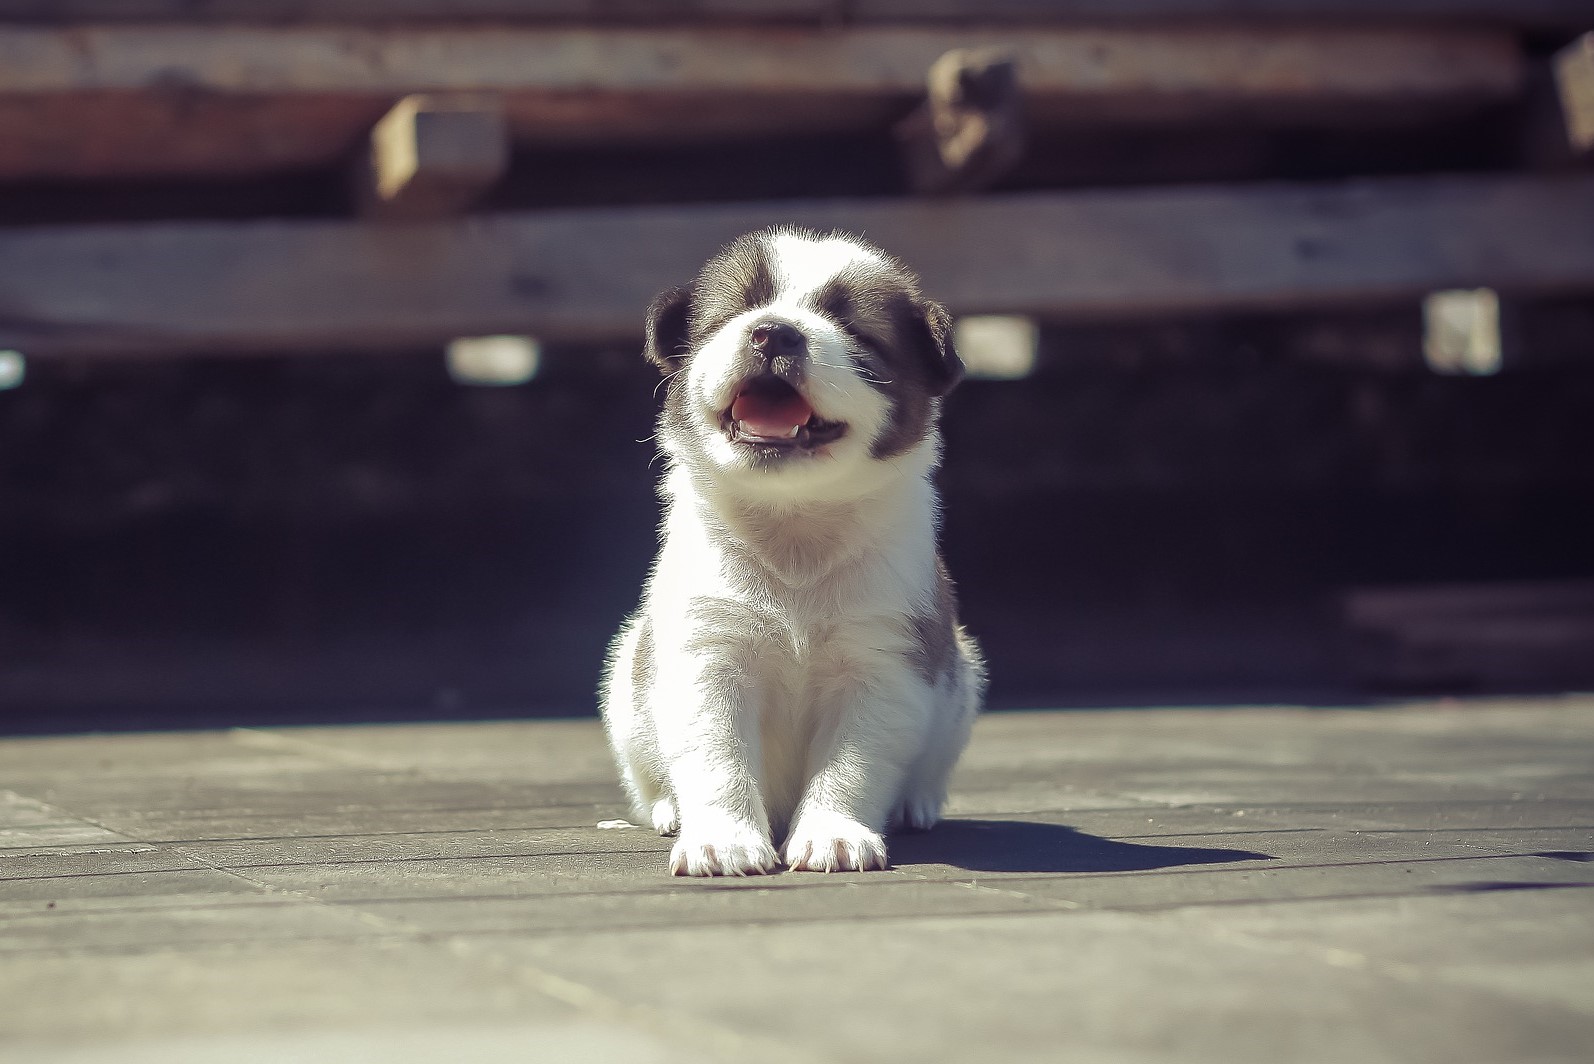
862, 373
668, 377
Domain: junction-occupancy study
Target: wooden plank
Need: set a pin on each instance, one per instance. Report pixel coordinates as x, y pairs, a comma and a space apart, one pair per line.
106, 100
319, 285
1525, 13
1563, 14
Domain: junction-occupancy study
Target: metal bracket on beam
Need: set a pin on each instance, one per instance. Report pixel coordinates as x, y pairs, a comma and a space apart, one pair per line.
432, 156
970, 129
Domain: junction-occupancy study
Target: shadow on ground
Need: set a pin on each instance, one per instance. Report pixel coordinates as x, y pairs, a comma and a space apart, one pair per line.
1020, 846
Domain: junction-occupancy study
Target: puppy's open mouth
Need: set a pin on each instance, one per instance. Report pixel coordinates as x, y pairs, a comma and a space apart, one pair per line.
768, 412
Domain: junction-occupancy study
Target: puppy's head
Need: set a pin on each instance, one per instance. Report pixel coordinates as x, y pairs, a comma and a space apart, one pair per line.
801, 364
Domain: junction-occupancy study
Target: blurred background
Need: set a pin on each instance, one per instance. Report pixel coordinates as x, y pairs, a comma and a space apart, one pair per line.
320, 387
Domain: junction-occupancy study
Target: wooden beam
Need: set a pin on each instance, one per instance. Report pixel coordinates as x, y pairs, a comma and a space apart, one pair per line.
319, 285
970, 129
1547, 14
432, 155
105, 100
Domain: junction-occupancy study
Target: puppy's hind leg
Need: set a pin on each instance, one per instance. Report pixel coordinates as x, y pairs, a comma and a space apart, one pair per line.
666, 818
924, 790
651, 800
630, 727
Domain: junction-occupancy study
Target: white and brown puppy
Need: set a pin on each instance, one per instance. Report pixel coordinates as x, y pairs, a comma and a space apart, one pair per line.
796, 670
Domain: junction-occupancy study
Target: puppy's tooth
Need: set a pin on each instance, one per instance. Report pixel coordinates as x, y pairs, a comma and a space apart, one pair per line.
795, 429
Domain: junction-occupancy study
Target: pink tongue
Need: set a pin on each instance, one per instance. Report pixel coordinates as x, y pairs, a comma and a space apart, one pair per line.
765, 415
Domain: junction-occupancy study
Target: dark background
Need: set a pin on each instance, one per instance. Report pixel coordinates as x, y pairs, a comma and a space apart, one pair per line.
263, 539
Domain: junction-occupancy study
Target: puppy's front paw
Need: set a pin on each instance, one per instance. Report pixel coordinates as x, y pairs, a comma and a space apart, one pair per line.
833, 842
740, 853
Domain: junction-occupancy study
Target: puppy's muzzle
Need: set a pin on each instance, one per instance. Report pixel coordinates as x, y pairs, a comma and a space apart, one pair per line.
769, 411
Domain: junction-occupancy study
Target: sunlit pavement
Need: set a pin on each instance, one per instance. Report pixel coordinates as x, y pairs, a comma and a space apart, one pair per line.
1403, 883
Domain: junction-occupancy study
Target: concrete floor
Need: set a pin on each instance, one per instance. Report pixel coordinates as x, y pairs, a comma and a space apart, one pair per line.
1409, 883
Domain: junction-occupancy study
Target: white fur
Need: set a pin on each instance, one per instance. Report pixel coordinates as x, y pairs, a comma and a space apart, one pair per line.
806, 264
784, 697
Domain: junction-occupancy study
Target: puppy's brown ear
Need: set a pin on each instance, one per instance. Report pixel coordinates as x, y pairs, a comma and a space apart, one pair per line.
666, 345
929, 331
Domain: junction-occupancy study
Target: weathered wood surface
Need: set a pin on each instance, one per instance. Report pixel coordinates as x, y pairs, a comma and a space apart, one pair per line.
278, 285
95, 101
1257, 885
1535, 13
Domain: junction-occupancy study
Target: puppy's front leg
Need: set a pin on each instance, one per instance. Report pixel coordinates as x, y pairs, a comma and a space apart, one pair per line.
843, 812
708, 735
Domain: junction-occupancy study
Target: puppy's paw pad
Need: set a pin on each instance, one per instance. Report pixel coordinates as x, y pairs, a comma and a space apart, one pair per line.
834, 843
665, 820
692, 856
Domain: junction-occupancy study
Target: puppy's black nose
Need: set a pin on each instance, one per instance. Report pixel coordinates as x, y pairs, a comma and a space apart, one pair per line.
776, 339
